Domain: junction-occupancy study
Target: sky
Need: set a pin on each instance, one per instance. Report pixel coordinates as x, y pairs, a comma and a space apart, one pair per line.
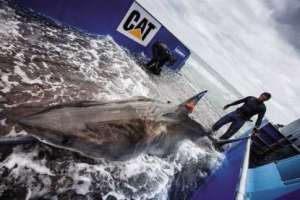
287, 15
244, 41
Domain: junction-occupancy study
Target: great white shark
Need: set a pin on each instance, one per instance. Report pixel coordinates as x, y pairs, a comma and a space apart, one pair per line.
116, 129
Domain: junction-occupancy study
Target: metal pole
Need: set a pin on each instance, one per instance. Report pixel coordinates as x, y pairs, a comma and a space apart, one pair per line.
241, 190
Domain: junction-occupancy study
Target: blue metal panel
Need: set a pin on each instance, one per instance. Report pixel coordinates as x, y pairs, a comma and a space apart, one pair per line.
290, 196
270, 130
224, 182
265, 182
263, 178
289, 169
268, 136
103, 17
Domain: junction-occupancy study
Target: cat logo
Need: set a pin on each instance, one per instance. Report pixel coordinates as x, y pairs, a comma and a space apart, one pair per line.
139, 25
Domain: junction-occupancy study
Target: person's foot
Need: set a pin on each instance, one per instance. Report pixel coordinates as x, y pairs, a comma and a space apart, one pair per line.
212, 136
156, 71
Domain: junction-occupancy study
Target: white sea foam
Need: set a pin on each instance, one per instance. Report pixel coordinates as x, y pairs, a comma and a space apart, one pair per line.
18, 161
25, 78
14, 133
6, 85
3, 121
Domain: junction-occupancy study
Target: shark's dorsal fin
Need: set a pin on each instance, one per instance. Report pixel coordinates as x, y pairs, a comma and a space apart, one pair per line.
189, 105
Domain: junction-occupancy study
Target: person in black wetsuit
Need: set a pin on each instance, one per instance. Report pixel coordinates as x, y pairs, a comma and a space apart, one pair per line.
160, 55
252, 106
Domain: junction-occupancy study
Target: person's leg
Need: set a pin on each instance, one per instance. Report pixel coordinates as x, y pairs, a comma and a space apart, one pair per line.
153, 67
234, 127
151, 63
223, 120
158, 67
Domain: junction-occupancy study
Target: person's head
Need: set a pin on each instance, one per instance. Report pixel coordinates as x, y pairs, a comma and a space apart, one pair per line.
265, 96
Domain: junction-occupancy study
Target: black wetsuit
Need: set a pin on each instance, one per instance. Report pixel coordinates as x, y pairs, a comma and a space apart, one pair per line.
160, 55
252, 106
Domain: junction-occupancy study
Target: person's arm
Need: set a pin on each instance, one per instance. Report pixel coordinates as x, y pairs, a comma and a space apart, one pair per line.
259, 119
236, 102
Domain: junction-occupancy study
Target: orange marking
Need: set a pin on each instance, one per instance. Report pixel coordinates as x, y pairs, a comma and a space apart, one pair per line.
190, 106
136, 33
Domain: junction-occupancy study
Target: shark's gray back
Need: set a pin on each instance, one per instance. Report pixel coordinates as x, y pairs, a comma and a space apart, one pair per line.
70, 118
97, 128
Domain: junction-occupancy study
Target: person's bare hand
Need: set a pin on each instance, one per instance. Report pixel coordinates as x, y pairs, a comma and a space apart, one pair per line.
255, 132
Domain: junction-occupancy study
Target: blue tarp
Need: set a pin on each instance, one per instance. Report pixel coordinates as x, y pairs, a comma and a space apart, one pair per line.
106, 18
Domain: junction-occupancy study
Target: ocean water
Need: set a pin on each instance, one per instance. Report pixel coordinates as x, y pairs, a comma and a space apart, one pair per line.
44, 63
